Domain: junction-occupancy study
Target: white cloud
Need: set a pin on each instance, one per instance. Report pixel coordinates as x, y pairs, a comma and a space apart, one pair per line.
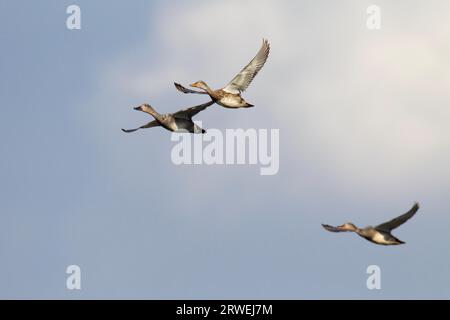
365, 105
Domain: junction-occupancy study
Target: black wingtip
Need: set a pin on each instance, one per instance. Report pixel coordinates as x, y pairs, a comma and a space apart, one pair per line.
179, 87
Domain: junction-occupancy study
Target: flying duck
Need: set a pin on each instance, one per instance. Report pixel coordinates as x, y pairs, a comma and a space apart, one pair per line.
230, 95
180, 121
380, 234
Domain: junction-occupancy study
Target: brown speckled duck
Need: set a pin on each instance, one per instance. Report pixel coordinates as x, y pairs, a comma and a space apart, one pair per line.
380, 234
230, 95
180, 121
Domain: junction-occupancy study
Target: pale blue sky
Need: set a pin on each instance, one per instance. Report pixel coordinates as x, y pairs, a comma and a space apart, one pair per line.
363, 118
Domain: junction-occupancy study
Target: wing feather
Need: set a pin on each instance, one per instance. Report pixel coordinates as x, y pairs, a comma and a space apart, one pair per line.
241, 82
186, 90
394, 223
192, 111
151, 124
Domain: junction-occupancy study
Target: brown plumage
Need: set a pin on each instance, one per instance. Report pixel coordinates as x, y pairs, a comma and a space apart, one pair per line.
230, 95
380, 234
180, 121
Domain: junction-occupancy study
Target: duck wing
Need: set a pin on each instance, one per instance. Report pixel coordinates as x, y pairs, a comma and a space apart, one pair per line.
333, 229
151, 124
241, 82
394, 223
186, 90
192, 111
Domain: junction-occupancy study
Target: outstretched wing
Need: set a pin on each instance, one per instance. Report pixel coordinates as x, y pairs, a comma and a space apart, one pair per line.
241, 82
394, 223
333, 229
151, 124
186, 90
190, 112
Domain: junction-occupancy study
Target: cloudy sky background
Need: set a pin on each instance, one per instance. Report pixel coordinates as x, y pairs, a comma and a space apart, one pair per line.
363, 118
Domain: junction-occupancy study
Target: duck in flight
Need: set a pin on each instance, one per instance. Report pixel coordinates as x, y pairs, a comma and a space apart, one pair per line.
230, 95
380, 234
180, 121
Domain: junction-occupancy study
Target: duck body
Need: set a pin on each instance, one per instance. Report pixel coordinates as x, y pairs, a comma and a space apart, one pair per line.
380, 234
229, 100
175, 124
378, 237
222, 97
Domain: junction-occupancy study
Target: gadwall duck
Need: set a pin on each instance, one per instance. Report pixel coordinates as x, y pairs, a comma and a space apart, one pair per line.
380, 234
230, 95
180, 121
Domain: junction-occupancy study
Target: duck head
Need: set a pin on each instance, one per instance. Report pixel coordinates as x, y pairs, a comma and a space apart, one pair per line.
348, 227
201, 85
146, 108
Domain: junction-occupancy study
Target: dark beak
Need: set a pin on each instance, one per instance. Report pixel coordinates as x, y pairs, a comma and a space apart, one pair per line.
138, 108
